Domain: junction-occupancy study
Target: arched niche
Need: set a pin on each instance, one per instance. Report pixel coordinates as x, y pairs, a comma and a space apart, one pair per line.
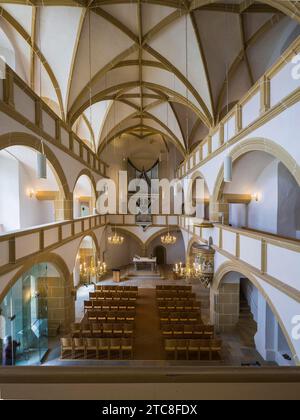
173, 254
234, 286
265, 179
84, 195
88, 255
35, 305
25, 200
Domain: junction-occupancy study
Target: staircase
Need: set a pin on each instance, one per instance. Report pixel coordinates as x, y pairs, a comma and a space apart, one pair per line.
246, 327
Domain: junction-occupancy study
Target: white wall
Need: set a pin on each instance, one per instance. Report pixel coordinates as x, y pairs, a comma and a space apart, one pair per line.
262, 215
32, 211
175, 253
19, 210
9, 194
288, 203
250, 293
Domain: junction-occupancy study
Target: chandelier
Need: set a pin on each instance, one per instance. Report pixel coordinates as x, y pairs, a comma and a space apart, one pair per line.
116, 239
202, 272
168, 239
188, 272
92, 270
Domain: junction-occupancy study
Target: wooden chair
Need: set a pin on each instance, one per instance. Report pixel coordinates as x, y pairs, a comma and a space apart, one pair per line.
128, 329
126, 348
92, 347
215, 347
204, 347
79, 347
118, 329
171, 348
107, 329
194, 347
115, 347
96, 329
76, 330
66, 346
188, 330
103, 348
92, 315
88, 304
181, 347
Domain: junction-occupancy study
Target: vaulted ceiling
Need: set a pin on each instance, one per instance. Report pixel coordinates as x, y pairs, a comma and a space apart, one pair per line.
141, 68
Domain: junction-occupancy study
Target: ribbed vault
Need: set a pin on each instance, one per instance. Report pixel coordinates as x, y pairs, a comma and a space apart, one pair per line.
145, 67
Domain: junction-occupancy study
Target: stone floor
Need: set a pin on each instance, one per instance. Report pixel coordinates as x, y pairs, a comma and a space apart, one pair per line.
237, 346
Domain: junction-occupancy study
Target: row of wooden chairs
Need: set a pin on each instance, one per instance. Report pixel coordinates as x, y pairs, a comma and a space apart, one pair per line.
180, 317
188, 331
170, 287
177, 307
108, 306
173, 292
163, 297
107, 316
112, 297
101, 348
105, 330
129, 293
117, 288
189, 348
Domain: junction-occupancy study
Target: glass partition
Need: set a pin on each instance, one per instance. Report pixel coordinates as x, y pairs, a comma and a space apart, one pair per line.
24, 318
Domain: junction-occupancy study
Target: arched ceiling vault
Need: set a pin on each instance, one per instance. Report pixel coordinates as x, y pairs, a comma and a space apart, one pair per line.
165, 60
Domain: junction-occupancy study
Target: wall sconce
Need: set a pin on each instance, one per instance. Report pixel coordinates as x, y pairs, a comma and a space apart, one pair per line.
30, 193
255, 197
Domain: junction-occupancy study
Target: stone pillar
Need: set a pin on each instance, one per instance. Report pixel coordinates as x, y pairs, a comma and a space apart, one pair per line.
225, 307
59, 207
68, 207
60, 300
260, 337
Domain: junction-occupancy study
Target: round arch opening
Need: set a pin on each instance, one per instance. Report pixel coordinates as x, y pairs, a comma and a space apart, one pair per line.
84, 197
239, 306
37, 306
263, 196
25, 200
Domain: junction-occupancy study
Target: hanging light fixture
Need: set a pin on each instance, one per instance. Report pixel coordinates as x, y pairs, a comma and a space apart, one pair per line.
228, 169
115, 239
42, 163
168, 239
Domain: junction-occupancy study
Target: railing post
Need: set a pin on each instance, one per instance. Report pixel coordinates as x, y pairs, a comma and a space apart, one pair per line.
12, 250
8, 87
264, 256
238, 119
222, 134
42, 240
238, 246
265, 94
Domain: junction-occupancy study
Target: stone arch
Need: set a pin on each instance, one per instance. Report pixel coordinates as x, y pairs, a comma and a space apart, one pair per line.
231, 266
89, 174
197, 175
189, 248
95, 241
124, 231
159, 233
28, 140
252, 145
52, 258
